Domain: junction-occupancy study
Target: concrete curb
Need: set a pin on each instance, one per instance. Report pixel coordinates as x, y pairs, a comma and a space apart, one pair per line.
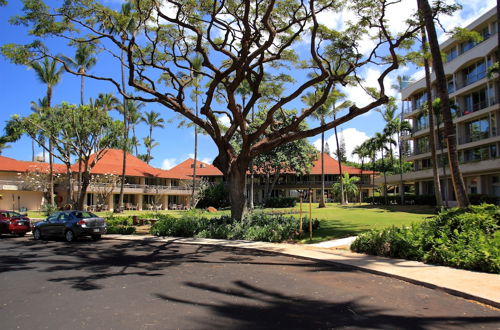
480, 287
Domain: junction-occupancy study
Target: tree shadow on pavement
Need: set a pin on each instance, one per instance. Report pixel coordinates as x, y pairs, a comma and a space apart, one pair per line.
250, 307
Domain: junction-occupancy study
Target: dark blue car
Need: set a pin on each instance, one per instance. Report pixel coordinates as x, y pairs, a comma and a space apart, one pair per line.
70, 225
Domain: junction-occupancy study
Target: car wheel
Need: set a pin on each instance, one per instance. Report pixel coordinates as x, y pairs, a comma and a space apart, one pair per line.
69, 236
37, 234
96, 237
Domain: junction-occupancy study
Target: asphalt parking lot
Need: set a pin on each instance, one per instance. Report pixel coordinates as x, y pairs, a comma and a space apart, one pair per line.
153, 285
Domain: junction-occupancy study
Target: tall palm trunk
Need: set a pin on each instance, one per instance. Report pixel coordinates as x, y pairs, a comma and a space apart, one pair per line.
432, 135
51, 152
32, 150
385, 176
125, 137
322, 197
251, 205
82, 87
195, 150
451, 141
342, 197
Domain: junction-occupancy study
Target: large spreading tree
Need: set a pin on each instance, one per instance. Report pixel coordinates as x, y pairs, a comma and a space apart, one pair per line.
238, 41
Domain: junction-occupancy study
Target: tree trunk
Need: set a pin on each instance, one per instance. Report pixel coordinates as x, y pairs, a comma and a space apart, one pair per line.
342, 201
385, 177
69, 174
82, 86
432, 135
51, 152
451, 141
195, 148
400, 151
322, 197
85, 185
275, 180
236, 184
32, 150
119, 207
251, 173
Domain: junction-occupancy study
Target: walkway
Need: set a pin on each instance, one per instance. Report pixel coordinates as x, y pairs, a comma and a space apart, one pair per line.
482, 287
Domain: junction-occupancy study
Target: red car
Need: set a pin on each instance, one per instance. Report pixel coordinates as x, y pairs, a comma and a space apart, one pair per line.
14, 223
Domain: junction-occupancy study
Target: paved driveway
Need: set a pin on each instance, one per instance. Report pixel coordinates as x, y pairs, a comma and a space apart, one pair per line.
151, 285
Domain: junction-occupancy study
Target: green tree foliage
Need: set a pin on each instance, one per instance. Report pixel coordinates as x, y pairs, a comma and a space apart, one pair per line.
350, 187
236, 40
85, 131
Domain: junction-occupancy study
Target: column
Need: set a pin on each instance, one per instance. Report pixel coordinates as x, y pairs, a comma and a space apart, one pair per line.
139, 202
110, 202
164, 200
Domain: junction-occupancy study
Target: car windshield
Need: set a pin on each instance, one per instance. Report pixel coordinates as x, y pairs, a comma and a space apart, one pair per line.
84, 215
14, 214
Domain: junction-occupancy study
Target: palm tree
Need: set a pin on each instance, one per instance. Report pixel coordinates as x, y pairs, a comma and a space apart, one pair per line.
401, 84
349, 185
361, 151
124, 25
196, 64
83, 61
432, 131
107, 102
49, 73
134, 118
381, 140
327, 109
38, 107
152, 119
437, 65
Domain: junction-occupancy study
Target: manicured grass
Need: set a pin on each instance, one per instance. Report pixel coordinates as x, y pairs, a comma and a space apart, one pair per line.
337, 221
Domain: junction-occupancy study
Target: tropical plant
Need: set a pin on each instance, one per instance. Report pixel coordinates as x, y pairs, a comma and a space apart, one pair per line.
49, 73
427, 16
83, 61
152, 119
350, 186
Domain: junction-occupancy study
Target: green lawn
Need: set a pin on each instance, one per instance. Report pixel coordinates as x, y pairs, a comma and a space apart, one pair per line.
337, 221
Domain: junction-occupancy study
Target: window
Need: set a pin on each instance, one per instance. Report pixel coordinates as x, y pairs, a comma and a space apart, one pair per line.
422, 145
475, 72
451, 54
420, 99
451, 85
421, 123
478, 154
477, 130
476, 101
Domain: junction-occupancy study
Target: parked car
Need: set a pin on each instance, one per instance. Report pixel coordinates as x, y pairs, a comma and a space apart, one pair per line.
14, 223
70, 225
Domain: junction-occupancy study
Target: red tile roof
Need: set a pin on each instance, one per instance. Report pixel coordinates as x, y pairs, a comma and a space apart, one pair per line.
332, 166
13, 165
111, 163
202, 169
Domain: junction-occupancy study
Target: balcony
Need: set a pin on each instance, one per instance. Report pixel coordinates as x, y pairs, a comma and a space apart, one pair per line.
129, 188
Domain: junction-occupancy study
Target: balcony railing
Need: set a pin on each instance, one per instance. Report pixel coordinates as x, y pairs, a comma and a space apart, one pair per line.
144, 188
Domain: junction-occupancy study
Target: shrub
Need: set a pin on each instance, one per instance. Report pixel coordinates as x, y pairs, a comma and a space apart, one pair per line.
478, 199
121, 230
256, 226
279, 202
119, 221
468, 239
48, 209
215, 196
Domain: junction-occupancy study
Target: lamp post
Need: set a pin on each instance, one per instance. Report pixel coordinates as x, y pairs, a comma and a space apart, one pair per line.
310, 215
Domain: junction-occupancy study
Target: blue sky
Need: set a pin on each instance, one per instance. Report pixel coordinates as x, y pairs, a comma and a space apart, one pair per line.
19, 86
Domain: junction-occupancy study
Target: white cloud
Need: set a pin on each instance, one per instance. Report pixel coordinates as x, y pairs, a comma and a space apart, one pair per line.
191, 155
357, 94
207, 160
352, 138
40, 156
168, 163
224, 120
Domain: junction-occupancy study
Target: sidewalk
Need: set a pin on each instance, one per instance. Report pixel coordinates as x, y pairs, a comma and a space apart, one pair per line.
482, 287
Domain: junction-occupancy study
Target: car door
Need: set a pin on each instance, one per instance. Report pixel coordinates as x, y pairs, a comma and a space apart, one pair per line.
48, 226
60, 224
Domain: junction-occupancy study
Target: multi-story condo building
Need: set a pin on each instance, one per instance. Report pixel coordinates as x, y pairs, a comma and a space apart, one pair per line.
476, 116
